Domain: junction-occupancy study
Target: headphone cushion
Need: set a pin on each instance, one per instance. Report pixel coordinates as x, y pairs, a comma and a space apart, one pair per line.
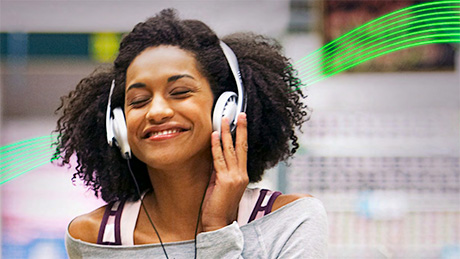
226, 106
120, 132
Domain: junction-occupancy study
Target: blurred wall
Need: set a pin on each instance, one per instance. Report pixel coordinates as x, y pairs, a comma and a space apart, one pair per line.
263, 16
39, 83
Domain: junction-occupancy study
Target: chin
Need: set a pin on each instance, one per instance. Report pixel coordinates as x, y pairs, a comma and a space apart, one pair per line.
175, 159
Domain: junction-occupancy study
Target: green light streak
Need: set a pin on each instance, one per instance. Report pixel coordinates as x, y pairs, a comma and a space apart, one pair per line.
51, 137
345, 42
25, 170
14, 160
17, 161
24, 166
23, 156
375, 34
385, 47
329, 56
383, 53
338, 61
31, 147
358, 30
354, 64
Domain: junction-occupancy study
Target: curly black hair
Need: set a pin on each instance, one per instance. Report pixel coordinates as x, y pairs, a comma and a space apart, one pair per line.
274, 106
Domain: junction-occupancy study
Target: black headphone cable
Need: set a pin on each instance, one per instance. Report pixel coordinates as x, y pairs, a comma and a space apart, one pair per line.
151, 222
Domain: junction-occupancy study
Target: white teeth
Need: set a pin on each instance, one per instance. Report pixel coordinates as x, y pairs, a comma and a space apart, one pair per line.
164, 132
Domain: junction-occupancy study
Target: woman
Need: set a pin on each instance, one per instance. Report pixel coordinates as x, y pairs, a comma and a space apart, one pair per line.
178, 188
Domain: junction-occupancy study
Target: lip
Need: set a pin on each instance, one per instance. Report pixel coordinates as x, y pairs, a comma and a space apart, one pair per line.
163, 127
164, 136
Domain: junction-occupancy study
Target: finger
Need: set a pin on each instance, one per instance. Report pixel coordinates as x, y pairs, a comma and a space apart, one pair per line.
218, 156
241, 144
227, 145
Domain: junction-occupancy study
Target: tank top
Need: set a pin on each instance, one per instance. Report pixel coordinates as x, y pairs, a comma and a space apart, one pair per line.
120, 217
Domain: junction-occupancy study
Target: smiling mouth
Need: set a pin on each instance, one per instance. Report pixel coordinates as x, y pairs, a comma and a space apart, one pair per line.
163, 133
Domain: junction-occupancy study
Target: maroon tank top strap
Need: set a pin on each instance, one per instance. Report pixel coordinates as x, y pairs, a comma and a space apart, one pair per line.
266, 209
105, 218
256, 209
115, 215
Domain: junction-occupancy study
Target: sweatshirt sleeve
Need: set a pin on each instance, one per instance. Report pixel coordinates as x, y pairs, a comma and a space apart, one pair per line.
301, 232
226, 242
310, 239
72, 247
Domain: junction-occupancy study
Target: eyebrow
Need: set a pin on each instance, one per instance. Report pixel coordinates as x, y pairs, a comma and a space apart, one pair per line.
177, 77
170, 79
136, 85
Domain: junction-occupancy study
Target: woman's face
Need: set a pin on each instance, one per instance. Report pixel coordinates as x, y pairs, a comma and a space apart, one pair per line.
168, 105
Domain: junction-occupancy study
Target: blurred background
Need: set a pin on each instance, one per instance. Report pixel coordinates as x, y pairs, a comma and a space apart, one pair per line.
381, 149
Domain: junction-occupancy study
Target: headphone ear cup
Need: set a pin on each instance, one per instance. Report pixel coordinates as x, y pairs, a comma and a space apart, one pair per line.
226, 106
109, 129
120, 132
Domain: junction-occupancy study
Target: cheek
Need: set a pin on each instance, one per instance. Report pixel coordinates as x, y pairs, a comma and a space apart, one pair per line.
207, 115
201, 108
203, 119
133, 118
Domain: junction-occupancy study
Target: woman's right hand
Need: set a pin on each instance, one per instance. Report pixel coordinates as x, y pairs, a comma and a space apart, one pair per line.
229, 178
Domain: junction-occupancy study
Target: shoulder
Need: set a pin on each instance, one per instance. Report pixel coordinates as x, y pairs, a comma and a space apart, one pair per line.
285, 199
311, 207
86, 227
308, 209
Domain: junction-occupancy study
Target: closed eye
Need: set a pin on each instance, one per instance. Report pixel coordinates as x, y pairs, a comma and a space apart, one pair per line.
181, 93
138, 103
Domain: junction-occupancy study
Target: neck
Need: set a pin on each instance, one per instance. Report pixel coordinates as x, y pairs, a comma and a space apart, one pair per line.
177, 193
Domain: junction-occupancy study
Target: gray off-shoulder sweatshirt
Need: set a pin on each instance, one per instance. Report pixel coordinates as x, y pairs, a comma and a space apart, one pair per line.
297, 230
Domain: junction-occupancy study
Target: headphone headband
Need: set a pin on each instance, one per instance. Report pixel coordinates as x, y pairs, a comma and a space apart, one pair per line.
108, 120
235, 68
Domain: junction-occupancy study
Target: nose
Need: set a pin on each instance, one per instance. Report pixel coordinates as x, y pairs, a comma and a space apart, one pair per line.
159, 110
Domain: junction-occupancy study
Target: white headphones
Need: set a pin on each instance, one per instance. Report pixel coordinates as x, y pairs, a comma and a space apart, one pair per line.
229, 104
